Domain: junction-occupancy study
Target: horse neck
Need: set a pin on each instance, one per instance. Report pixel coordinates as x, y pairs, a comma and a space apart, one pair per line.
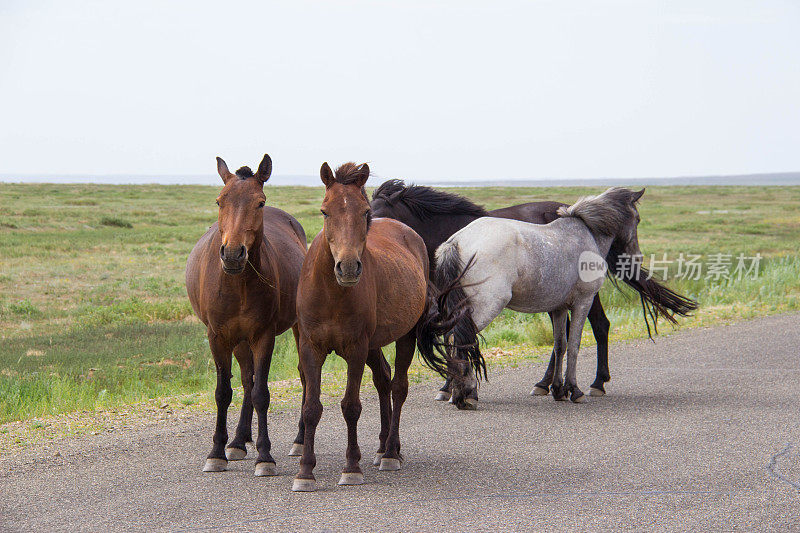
604, 243
437, 229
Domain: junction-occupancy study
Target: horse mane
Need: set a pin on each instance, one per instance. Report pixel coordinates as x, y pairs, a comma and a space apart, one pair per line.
604, 213
425, 202
349, 173
245, 172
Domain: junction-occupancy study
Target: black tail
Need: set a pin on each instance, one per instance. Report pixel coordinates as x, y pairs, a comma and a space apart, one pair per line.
448, 326
657, 300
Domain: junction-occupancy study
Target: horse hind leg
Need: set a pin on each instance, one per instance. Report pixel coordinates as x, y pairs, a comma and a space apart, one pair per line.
488, 306
444, 393
237, 449
600, 327
542, 388
559, 347
573, 346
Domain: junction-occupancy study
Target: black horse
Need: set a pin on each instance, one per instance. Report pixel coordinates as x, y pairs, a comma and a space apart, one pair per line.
436, 215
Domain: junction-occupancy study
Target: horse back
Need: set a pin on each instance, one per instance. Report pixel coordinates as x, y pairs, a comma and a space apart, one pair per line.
534, 212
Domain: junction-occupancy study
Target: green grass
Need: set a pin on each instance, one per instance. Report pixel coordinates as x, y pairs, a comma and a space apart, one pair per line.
93, 310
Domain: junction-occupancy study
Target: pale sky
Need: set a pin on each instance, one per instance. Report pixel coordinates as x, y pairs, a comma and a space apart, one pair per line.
420, 89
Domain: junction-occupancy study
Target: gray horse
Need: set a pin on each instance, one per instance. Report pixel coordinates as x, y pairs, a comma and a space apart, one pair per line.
531, 268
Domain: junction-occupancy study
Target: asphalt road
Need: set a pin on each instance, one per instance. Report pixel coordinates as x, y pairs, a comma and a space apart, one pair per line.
699, 430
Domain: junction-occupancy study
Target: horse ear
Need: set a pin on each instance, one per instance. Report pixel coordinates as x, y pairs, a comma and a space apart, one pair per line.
264, 169
326, 174
223, 171
637, 195
363, 175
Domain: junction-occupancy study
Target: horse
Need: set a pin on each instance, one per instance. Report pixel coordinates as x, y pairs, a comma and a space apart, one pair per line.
556, 268
363, 285
436, 215
242, 278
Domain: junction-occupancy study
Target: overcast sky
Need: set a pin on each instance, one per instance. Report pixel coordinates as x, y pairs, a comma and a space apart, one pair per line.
420, 89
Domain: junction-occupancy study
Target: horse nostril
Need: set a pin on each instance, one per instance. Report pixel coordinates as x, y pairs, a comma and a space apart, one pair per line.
359, 267
338, 268
222, 251
242, 251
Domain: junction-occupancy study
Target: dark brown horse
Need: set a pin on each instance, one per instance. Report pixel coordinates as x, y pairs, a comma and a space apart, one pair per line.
242, 280
363, 286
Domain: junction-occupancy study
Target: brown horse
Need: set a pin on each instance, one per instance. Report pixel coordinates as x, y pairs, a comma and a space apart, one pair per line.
242, 280
363, 286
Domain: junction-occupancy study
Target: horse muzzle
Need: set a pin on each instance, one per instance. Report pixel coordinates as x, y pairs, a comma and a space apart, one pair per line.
233, 259
348, 273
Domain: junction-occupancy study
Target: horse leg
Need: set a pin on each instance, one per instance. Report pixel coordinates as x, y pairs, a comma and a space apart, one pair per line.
579, 313
262, 351
297, 446
382, 378
237, 449
221, 350
600, 326
311, 362
444, 393
404, 348
559, 347
351, 410
487, 306
543, 387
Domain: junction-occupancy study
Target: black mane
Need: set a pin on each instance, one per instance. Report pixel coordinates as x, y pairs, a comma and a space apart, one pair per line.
426, 202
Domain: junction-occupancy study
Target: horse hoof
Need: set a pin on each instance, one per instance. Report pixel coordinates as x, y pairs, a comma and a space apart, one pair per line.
235, 454
389, 464
539, 391
265, 469
351, 478
304, 485
377, 460
442, 396
214, 464
470, 404
579, 399
296, 451
596, 392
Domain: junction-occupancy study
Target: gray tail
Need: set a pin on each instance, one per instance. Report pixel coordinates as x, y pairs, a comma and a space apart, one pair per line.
448, 326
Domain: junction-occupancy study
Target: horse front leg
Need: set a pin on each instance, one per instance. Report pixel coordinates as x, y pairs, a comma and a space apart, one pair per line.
221, 350
262, 348
382, 378
351, 410
311, 362
600, 326
404, 348
579, 313
237, 449
297, 445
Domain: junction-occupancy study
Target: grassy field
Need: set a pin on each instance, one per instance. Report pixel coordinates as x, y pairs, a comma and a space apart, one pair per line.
94, 315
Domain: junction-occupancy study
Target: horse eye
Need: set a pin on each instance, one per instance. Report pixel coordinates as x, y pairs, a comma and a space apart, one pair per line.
366, 214
260, 204
217, 202
324, 214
